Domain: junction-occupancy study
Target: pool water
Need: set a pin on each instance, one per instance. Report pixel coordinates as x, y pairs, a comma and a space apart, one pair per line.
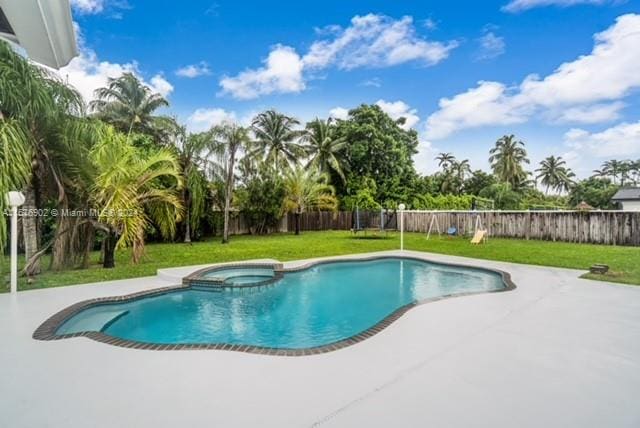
313, 307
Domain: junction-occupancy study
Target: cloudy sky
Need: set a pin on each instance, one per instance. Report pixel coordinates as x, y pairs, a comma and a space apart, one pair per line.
563, 75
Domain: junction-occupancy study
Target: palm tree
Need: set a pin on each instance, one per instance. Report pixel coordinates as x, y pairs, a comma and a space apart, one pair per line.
191, 152
15, 164
307, 189
36, 108
507, 159
133, 190
445, 160
461, 170
555, 174
612, 168
227, 140
276, 137
129, 105
324, 147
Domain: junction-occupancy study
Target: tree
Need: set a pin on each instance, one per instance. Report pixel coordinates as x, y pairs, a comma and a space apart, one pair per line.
379, 149
228, 139
507, 159
595, 191
260, 194
612, 168
129, 105
307, 189
445, 160
276, 138
478, 181
324, 147
36, 107
133, 190
504, 197
555, 174
191, 152
460, 169
15, 164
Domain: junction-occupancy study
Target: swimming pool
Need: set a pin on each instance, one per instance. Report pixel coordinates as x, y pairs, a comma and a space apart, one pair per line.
321, 306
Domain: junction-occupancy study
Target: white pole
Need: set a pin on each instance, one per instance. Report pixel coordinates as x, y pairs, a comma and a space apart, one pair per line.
14, 200
401, 207
14, 249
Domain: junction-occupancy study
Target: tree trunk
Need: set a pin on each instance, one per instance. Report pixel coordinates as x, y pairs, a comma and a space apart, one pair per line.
30, 229
187, 217
297, 215
110, 250
227, 196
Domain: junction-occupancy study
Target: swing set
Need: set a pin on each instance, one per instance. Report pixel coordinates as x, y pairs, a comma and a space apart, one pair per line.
364, 222
480, 232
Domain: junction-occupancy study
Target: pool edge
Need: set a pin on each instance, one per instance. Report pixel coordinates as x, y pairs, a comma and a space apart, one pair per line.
47, 330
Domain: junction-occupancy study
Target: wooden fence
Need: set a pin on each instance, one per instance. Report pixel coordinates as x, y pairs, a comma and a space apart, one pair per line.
597, 227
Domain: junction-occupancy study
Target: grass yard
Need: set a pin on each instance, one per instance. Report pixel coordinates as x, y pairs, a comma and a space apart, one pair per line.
623, 261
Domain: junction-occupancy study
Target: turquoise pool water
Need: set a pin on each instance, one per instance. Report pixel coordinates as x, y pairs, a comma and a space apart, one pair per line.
313, 307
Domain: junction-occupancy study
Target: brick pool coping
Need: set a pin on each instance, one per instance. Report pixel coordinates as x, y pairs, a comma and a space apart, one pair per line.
47, 330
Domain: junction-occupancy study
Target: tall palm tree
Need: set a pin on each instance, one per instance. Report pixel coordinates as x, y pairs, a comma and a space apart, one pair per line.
507, 159
554, 174
307, 189
38, 106
324, 147
461, 169
15, 164
129, 105
227, 140
191, 153
276, 138
445, 160
613, 168
133, 190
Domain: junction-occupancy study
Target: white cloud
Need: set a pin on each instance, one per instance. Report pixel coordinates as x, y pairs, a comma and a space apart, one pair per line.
88, 7
87, 73
339, 113
376, 41
487, 104
521, 5
194, 70
491, 46
282, 72
622, 140
399, 109
369, 41
160, 85
374, 82
596, 113
204, 118
582, 91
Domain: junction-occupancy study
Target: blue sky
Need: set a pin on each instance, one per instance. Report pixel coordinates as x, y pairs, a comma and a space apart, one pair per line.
460, 71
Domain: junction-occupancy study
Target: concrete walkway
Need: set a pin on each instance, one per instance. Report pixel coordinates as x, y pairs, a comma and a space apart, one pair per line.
556, 352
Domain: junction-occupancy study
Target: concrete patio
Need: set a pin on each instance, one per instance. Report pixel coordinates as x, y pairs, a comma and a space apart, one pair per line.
558, 351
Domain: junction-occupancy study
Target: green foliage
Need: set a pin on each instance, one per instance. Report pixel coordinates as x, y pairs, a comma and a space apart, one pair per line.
129, 106
478, 181
442, 202
595, 191
379, 149
504, 197
260, 196
507, 161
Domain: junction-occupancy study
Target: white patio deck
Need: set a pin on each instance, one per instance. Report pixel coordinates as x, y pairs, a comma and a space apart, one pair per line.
556, 352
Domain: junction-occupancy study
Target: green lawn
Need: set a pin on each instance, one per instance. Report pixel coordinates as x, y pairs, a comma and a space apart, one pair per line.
624, 261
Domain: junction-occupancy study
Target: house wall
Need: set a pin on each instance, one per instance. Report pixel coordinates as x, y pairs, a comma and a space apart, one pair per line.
630, 205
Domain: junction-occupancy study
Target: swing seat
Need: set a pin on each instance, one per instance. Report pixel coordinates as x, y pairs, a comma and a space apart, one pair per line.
452, 231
